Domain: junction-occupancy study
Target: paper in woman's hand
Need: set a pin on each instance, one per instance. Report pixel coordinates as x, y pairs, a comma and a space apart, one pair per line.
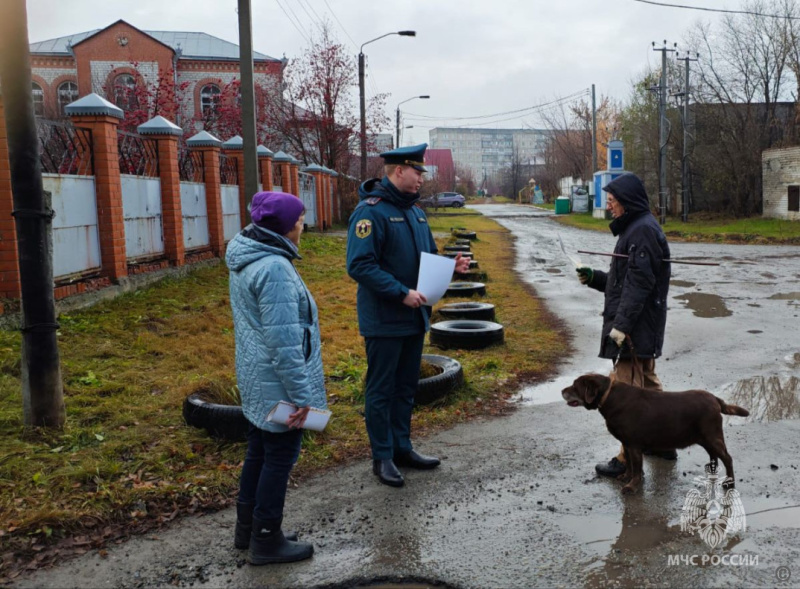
435, 274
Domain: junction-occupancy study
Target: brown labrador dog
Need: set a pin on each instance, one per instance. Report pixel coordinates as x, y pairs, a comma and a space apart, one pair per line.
655, 420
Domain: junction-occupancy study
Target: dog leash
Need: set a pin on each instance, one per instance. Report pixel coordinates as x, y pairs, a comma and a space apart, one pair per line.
634, 361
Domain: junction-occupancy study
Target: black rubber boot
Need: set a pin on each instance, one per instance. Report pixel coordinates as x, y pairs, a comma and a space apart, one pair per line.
268, 545
244, 526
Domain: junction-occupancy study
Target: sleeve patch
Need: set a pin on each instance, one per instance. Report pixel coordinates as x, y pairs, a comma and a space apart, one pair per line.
363, 228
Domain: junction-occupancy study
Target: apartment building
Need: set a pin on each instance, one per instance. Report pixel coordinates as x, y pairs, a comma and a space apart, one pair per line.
488, 151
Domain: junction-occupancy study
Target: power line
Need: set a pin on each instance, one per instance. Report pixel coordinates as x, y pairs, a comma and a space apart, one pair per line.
294, 24
311, 18
340, 24
311, 6
556, 102
749, 12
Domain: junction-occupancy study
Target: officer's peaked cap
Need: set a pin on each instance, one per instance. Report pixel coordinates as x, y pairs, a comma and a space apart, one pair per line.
413, 155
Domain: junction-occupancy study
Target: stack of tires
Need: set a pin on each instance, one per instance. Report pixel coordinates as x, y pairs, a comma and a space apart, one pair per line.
466, 325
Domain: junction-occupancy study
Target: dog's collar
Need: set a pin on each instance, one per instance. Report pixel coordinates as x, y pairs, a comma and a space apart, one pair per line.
605, 394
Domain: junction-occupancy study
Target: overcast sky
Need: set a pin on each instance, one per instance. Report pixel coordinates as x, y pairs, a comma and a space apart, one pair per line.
473, 57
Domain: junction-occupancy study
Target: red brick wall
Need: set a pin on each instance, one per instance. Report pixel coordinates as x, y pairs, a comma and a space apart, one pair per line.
105, 46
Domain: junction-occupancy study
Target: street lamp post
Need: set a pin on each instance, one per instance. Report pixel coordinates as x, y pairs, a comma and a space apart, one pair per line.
363, 99
397, 124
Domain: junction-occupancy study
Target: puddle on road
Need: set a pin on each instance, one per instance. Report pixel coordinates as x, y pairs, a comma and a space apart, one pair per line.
786, 296
553, 270
769, 275
705, 305
682, 283
754, 331
766, 398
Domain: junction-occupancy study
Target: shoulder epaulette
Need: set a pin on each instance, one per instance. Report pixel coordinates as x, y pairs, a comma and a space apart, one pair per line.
373, 200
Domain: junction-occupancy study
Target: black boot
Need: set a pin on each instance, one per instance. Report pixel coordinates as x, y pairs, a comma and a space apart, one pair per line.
387, 473
414, 460
244, 526
268, 545
613, 468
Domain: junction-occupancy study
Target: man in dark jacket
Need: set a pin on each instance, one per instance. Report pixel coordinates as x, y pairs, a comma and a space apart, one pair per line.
635, 290
385, 239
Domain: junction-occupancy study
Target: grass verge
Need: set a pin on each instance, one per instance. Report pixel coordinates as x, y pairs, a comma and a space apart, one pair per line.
126, 463
709, 228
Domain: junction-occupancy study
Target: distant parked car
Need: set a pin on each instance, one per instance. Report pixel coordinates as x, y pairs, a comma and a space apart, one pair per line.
443, 199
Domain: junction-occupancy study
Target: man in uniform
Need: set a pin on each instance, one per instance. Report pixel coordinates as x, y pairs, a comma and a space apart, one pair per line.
385, 239
635, 290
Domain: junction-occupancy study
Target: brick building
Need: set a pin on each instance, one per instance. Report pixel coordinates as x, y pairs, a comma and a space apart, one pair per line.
113, 61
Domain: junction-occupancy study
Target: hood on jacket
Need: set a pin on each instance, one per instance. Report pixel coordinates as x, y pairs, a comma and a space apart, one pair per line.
629, 190
384, 189
254, 243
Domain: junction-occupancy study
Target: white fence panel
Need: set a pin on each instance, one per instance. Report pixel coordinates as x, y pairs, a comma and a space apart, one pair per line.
195, 215
76, 239
141, 208
231, 219
308, 194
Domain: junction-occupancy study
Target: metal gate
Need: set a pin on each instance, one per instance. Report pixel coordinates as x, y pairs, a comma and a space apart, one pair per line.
308, 194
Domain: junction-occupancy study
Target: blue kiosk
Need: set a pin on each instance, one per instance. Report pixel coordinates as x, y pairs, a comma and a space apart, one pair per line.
615, 156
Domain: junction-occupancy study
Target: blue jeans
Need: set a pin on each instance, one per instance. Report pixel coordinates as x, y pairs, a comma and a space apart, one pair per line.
265, 474
392, 381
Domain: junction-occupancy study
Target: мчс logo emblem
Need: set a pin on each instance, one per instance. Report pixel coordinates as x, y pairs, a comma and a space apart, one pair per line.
715, 511
363, 228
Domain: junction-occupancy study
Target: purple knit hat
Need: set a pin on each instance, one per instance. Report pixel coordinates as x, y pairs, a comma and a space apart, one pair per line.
276, 211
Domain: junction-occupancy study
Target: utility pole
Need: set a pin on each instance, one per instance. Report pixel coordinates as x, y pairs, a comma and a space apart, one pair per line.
685, 178
42, 390
248, 104
594, 132
663, 134
363, 108
397, 128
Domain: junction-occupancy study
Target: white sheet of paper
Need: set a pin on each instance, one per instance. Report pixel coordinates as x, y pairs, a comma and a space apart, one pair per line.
435, 274
576, 261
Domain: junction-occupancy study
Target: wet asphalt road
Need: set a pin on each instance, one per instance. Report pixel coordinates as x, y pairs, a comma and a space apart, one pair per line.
516, 502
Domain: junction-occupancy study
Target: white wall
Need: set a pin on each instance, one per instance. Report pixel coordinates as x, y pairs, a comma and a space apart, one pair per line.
231, 221
76, 240
780, 169
195, 215
141, 207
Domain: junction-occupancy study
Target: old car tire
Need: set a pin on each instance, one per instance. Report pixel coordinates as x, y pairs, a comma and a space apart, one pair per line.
225, 422
456, 248
471, 235
438, 386
473, 264
466, 334
465, 289
478, 311
461, 242
471, 276
455, 254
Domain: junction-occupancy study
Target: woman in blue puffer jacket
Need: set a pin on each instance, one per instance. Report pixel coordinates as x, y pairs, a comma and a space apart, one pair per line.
278, 358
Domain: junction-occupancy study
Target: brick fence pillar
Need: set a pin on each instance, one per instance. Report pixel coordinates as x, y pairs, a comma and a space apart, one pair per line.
9, 257
319, 181
165, 133
265, 167
101, 118
209, 146
294, 178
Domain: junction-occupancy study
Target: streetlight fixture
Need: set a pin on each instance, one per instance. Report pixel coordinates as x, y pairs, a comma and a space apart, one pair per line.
397, 123
362, 98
